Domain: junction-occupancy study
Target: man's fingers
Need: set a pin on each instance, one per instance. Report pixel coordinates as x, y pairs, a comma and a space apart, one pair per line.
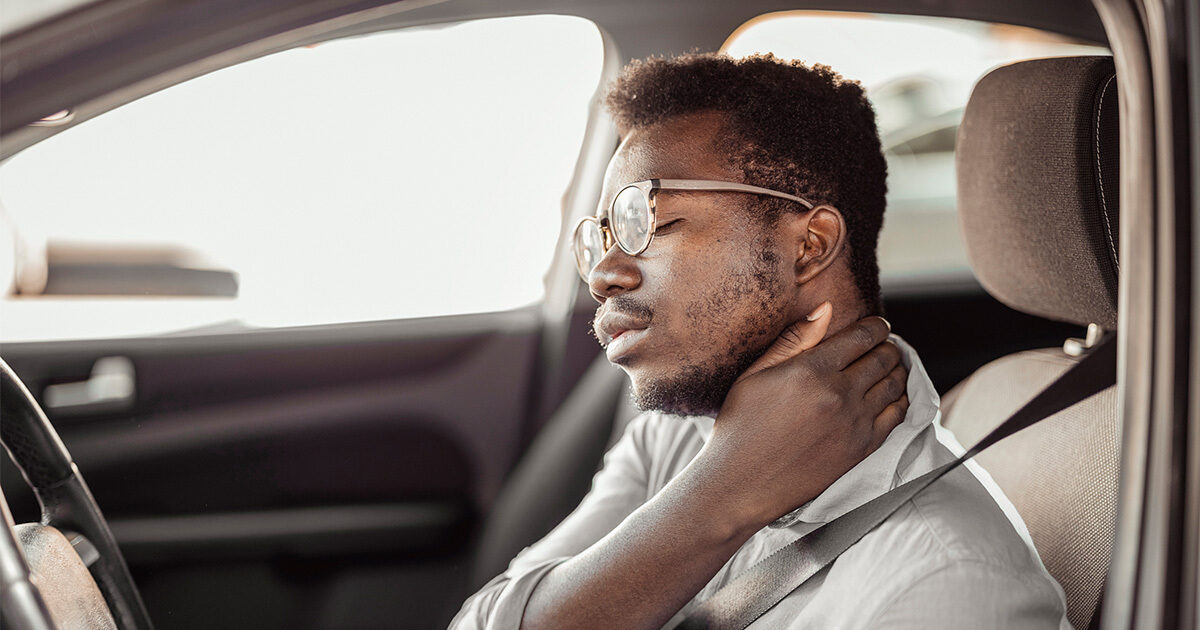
852, 342
889, 419
873, 367
795, 339
887, 390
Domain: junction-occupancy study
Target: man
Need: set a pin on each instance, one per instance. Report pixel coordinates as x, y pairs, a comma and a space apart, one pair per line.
736, 231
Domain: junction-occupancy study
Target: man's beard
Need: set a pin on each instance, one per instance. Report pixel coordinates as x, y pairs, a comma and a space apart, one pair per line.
697, 390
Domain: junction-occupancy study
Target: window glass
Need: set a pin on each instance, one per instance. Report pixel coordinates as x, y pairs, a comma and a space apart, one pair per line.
402, 174
918, 73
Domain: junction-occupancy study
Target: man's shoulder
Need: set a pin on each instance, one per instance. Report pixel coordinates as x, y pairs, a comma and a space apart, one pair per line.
967, 522
955, 523
950, 549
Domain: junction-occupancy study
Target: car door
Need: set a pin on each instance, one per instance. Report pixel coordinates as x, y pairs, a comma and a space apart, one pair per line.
294, 319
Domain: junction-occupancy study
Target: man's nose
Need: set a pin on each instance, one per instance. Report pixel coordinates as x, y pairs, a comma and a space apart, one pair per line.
615, 273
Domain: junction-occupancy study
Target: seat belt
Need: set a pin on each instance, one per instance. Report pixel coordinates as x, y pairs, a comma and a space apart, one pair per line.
747, 597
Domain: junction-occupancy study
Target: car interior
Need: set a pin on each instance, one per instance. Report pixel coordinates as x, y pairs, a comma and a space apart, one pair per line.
372, 470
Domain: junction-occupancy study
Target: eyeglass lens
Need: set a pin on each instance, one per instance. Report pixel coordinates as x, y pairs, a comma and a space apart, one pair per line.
588, 246
630, 220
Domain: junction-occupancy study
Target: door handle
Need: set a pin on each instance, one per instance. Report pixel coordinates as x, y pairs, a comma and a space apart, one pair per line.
109, 388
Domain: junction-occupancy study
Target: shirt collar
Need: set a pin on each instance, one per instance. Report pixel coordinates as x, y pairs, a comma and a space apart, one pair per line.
879, 471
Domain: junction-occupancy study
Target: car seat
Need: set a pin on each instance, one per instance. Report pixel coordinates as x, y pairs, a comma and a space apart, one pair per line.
1037, 163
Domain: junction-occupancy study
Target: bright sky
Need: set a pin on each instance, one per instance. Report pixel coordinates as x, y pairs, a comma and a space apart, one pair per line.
403, 174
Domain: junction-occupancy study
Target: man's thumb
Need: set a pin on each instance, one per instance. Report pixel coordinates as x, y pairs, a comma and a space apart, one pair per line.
795, 339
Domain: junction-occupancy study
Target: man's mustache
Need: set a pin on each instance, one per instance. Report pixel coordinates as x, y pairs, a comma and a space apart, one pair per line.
626, 306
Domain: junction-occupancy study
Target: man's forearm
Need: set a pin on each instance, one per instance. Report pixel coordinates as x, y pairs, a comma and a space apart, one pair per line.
648, 567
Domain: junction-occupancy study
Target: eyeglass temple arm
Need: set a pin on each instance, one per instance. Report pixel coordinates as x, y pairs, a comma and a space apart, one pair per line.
706, 184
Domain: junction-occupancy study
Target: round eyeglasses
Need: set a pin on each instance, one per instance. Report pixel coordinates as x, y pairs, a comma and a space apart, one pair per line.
630, 221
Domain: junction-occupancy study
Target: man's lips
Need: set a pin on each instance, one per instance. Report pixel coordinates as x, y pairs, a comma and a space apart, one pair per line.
611, 326
622, 344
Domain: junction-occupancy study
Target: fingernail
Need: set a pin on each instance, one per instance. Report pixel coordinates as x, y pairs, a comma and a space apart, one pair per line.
889, 324
820, 312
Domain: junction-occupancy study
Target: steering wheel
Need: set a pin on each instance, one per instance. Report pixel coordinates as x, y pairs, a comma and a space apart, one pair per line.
44, 568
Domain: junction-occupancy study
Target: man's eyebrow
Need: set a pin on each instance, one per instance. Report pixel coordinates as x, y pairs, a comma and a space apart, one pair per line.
677, 194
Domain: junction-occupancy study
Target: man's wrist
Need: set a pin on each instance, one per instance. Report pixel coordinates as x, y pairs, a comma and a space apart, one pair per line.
730, 512
742, 505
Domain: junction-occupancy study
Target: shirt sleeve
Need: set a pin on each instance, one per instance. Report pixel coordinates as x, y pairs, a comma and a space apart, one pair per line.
617, 490
971, 594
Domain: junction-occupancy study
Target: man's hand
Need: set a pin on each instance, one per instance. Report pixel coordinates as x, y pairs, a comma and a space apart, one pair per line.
801, 416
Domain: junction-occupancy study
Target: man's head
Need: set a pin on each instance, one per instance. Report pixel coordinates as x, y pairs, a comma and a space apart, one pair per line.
727, 272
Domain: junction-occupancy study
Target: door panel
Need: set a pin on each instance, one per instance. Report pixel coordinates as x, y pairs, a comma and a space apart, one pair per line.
281, 463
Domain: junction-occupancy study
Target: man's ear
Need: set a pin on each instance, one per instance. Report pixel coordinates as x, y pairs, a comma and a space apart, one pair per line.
821, 243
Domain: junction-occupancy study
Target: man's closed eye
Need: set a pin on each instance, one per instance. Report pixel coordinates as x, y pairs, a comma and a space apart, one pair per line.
667, 227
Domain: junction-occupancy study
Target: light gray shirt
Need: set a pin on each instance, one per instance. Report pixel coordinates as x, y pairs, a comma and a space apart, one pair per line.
955, 556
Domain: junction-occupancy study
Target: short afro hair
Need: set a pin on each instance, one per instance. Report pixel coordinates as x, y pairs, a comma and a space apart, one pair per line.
794, 128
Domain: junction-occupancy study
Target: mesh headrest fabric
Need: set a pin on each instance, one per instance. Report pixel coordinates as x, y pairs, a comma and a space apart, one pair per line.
1037, 162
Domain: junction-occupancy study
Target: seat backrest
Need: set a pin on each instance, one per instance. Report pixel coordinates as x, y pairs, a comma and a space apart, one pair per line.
1061, 475
1037, 185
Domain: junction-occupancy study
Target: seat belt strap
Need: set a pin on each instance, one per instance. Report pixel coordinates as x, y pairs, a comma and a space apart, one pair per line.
747, 597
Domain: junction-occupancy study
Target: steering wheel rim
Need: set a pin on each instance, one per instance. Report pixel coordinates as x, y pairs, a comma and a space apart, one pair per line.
66, 504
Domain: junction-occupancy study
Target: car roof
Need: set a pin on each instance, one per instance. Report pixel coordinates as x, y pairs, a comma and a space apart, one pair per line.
89, 50
664, 28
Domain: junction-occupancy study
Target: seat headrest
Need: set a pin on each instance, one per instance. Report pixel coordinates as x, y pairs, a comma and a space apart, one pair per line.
1037, 162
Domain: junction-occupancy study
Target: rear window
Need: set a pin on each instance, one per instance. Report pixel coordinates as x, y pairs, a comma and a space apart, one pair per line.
918, 73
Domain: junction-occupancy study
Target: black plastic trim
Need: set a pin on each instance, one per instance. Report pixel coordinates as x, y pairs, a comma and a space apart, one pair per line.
322, 531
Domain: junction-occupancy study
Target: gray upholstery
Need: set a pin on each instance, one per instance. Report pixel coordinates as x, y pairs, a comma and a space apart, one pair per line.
1061, 475
1037, 198
1037, 187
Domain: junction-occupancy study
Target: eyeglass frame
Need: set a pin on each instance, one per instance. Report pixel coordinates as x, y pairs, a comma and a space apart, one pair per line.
649, 189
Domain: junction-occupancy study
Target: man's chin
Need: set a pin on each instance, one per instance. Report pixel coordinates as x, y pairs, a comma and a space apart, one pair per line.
698, 389
673, 408
693, 392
